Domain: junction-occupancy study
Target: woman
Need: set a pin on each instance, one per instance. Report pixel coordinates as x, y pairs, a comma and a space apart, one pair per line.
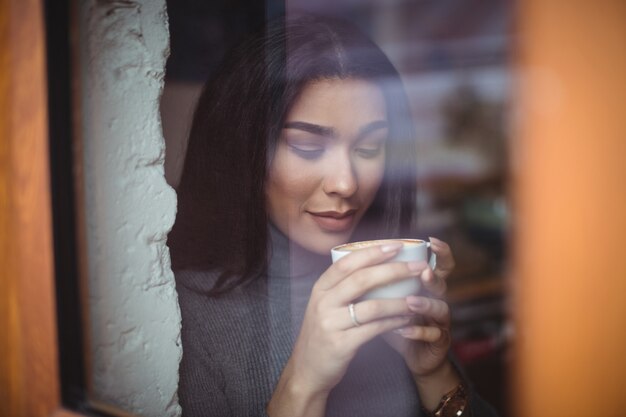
303, 141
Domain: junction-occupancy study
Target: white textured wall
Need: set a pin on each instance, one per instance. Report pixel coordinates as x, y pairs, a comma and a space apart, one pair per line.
134, 316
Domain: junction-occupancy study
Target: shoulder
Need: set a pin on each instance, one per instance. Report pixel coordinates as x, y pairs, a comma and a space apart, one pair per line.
218, 330
195, 280
193, 287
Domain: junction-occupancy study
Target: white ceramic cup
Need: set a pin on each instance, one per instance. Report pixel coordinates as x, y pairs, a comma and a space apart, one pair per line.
412, 250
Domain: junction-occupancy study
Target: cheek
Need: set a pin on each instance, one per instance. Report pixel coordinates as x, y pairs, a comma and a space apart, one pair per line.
288, 185
371, 178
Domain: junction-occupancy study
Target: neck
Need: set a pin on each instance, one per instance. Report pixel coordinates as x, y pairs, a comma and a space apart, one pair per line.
290, 260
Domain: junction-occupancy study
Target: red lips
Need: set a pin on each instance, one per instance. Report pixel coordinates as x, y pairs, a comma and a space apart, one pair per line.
334, 221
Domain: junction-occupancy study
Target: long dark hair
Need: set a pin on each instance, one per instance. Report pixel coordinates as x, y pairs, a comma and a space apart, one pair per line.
222, 220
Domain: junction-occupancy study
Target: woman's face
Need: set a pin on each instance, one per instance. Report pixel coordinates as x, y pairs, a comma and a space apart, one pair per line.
329, 162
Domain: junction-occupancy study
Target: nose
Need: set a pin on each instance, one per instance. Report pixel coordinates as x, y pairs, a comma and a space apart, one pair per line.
341, 178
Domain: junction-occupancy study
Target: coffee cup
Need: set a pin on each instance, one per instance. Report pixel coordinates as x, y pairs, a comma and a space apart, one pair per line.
412, 250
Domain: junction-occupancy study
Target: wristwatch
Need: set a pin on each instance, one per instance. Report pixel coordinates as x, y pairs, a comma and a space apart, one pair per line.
453, 404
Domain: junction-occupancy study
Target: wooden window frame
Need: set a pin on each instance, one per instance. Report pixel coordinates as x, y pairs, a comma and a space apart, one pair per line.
42, 357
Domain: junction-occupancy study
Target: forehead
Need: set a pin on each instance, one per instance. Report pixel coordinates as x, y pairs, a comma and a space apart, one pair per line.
325, 101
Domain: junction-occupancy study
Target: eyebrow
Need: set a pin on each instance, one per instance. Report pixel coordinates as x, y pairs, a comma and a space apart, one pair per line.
330, 132
311, 128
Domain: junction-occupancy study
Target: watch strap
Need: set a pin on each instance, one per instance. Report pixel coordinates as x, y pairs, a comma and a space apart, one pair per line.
452, 404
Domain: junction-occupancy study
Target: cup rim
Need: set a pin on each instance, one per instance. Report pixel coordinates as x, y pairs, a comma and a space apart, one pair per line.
340, 248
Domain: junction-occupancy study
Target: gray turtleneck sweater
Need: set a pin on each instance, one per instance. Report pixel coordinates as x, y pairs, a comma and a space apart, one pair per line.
235, 346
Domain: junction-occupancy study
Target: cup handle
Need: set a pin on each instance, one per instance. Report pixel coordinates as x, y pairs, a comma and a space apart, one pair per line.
432, 261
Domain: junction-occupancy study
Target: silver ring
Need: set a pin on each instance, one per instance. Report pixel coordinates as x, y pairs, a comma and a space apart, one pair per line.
353, 315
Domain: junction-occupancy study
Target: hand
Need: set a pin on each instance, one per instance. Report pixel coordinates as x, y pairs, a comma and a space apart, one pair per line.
329, 338
424, 344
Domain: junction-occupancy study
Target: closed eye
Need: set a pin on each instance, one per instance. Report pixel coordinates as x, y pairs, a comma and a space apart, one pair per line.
369, 153
307, 151
369, 148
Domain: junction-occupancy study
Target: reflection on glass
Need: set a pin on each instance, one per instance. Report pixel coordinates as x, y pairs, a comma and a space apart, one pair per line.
307, 137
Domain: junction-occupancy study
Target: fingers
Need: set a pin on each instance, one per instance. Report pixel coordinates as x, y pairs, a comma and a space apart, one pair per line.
366, 272
434, 284
372, 310
428, 334
434, 311
445, 260
430, 308
357, 260
369, 278
362, 334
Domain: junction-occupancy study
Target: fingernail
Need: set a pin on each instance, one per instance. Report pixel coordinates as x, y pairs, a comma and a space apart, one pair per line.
416, 266
434, 240
427, 277
390, 247
415, 302
402, 330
